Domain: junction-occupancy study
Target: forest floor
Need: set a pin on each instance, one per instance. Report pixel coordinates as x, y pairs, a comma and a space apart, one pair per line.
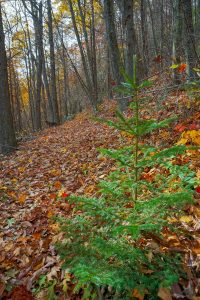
65, 160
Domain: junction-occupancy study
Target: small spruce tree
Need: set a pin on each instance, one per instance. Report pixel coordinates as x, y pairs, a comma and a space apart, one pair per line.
107, 245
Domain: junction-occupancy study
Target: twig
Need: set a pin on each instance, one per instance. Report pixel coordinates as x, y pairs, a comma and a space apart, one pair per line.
37, 273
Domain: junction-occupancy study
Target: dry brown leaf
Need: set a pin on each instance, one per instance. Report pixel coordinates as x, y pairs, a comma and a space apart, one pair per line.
2, 288
136, 294
164, 294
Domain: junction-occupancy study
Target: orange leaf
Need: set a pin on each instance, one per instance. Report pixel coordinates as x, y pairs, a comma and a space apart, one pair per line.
57, 185
53, 196
182, 68
196, 250
136, 294
12, 194
22, 239
49, 214
193, 126
180, 127
22, 198
37, 235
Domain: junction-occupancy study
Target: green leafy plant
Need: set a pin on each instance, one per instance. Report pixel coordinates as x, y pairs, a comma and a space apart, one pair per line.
44, 284
109, 243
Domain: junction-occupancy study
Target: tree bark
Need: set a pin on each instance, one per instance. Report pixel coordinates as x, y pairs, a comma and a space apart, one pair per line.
177, 38
7, 133
112, 40
126, 9
144, 36
53, 96
189, 39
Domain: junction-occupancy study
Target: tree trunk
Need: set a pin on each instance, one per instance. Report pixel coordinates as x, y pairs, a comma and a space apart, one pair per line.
7, 133
153, 28
126, 8
189, 39
38, 26
112, 40
93, 52
177, 38
85, 60
54, 100
144, 36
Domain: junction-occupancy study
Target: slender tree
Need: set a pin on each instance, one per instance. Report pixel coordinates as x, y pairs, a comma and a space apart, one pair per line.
53, 96
177, 37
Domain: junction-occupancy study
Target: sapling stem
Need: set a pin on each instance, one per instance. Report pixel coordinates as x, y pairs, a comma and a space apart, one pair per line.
136, 123
136, 144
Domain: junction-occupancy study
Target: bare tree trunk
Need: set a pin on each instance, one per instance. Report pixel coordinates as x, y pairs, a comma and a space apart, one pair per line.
39, 48
94, 58
7, 133
144, 36
112, 40
66, 96
86, 66
36, 12
54, 100
131, 48
189, 39
177, 37
153, 28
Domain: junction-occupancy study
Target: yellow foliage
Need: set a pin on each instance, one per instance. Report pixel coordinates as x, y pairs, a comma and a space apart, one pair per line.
190, 137
186, 219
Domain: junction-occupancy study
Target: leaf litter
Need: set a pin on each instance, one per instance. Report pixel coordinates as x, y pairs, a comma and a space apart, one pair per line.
65, 160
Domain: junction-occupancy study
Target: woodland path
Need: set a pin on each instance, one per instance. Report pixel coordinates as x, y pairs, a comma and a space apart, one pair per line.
57, 162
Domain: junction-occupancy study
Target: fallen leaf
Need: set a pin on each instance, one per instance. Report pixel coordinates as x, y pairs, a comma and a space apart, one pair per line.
186, 219
198, 189
49, 214
136, 294
2, 288
22, 198
53, 196
193, 126
196, 250
180, 127
65, 195
182, 68
58, 185
53, 273
164, 294
37, 235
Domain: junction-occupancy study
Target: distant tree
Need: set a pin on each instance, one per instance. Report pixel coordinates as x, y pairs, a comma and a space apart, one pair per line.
131, 47
87, 37
36, 12
189, 39
7, 133
184, 36
144, 32
177, 37
54, 99
112, 40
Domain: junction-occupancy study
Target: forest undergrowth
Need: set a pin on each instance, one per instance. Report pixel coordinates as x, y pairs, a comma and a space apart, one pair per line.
64, 160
